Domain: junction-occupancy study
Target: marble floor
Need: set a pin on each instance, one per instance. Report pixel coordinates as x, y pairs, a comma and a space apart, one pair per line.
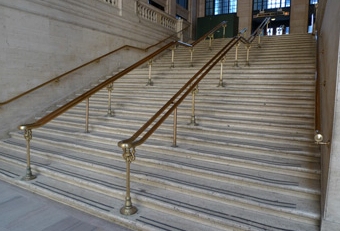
21, 210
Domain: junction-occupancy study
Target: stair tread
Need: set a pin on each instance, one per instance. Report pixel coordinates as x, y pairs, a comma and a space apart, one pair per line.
158, 194
270, 177
251, 164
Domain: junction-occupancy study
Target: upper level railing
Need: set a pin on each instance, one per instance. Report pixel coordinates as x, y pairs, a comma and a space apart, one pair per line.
128, 146
112, 2
154, 15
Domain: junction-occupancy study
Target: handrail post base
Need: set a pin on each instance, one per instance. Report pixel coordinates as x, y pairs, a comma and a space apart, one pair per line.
193, 121
110, 113
221, 83
149, 83
128, 209
29, 176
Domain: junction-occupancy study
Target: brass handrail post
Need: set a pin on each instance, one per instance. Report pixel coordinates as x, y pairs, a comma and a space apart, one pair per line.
87, 115
28, 137
149, 83
128, 208
259, 40
248, 46
174, 143
236, 54
220, 83
193, 117
224, 26
191, 56
211, 37
109, 88
173, 57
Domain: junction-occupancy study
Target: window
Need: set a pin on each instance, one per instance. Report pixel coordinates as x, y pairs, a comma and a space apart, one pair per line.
155, 4
271, 4
216, 7
183, 3
313, 2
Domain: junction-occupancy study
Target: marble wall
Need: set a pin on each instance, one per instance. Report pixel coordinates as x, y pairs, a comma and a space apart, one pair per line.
43, 39
329, 73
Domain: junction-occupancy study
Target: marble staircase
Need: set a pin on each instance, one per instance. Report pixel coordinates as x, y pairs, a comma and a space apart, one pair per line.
250, 164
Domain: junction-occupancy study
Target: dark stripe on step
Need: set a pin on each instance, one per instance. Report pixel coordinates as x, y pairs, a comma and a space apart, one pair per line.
178, 181
73, 196
8, 173
158, 224
246, 158
213, 213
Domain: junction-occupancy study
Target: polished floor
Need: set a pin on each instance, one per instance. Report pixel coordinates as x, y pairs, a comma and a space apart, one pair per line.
21, 210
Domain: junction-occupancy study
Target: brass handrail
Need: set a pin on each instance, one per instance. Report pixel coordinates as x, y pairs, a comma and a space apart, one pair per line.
27, 128
128, 145
131, 143
56, 79
317, 123
92, 91
259, 29
318, 138
223, 24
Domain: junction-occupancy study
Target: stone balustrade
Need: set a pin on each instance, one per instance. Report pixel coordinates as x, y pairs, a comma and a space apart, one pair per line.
111, 2
152, 14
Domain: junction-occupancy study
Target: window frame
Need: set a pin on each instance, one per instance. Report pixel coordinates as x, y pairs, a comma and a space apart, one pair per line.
218, 7
183, 3
270, 4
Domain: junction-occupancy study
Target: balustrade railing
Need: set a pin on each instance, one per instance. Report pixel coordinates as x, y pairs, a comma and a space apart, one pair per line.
150, 13
112, 2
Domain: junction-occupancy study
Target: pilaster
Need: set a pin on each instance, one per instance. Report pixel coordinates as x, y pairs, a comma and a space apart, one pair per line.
244, 13
299, 16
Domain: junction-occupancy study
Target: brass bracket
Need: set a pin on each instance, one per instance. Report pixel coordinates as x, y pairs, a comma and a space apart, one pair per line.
319, 140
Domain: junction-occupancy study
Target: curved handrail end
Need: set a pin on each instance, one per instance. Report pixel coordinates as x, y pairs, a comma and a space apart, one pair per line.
124, 144
22, 127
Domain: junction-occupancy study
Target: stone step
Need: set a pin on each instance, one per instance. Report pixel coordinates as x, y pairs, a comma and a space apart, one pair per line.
59, 148
233, 138
99, 196
102, 198
250, 164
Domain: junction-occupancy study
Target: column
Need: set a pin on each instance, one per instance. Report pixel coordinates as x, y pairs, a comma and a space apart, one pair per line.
299, 16
244, 12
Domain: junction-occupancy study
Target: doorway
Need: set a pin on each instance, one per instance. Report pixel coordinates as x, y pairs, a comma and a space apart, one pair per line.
277, 10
